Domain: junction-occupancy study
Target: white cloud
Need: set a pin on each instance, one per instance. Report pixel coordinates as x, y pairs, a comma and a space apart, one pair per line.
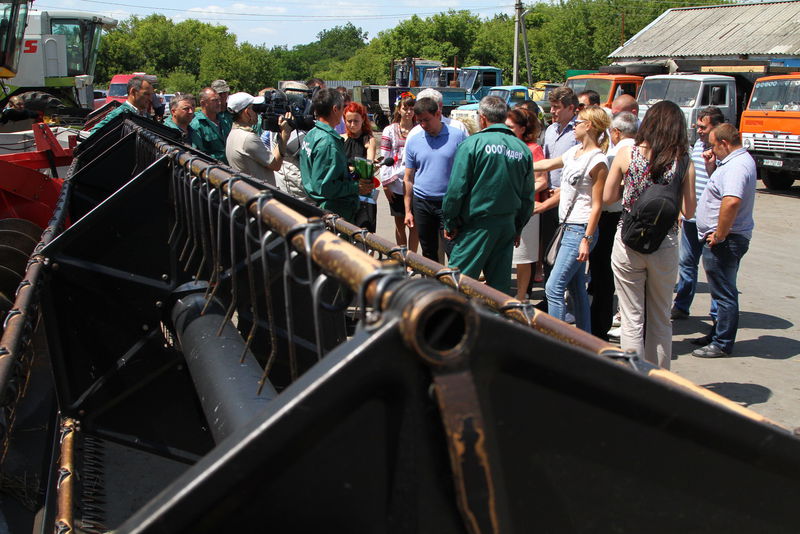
238, 8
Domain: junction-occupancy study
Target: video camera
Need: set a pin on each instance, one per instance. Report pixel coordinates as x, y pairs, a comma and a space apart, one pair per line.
277, 103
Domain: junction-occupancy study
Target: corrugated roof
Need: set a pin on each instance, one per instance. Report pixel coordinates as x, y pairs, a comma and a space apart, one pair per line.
731, 30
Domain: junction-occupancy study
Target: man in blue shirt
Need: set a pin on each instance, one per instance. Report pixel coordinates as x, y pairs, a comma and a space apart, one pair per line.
725, 224
429, 160
692, 247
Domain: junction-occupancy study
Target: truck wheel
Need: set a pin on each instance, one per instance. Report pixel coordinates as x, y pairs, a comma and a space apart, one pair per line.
40, 101
777, 181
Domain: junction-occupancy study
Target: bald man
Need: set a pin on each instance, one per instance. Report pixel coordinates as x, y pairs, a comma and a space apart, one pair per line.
625, 103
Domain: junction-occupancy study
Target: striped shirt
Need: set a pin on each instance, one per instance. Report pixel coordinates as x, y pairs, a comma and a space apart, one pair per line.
700, 174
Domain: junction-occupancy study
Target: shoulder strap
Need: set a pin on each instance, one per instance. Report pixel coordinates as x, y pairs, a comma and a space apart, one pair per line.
680, 172
585, 168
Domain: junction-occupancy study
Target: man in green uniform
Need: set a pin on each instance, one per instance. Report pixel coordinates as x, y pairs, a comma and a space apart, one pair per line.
208, 126
140, 94
323, 165
489, 198
225, 117
181, 113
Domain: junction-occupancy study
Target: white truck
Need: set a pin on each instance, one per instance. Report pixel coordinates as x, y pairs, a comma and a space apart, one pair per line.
693, 92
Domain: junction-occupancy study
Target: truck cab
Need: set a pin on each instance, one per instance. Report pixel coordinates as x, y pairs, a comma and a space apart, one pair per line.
770, 128
608, 86
511, 95
692, 92
476, 80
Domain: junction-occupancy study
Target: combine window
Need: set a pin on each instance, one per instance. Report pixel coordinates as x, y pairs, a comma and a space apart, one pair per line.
12, 28
83, 39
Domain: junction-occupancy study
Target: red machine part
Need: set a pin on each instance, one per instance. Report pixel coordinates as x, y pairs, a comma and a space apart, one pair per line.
26, 193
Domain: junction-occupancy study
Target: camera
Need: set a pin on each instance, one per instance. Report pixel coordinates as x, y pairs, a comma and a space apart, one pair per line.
277, 103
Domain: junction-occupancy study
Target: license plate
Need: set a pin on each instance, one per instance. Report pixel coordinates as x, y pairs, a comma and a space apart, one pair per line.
773, 163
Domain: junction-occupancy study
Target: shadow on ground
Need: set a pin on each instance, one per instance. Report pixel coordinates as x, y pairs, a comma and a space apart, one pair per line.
767, 347
701, 325
762, 321
745, 394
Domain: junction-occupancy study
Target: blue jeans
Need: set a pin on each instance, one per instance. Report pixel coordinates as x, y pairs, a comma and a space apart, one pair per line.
721, 263
690, 253
569, 273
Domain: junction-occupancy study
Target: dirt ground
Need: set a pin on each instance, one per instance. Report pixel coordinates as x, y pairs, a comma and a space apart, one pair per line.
762, 373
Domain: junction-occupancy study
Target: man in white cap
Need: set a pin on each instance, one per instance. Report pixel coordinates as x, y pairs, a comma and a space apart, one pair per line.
244, 150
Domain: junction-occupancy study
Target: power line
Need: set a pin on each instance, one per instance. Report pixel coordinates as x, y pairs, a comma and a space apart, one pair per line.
276, 17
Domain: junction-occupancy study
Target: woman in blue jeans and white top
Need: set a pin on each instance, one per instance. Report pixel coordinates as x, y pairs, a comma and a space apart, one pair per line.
582, 181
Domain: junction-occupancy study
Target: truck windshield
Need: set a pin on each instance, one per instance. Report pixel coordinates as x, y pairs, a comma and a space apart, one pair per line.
682, 92
467, 79
502, 93
776, 95
118, 89
603, 87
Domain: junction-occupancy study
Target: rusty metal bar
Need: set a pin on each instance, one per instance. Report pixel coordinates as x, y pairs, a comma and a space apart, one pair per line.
65, 481
497, 300
20, 320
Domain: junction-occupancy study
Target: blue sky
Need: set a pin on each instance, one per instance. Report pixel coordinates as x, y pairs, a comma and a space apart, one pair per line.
282, 23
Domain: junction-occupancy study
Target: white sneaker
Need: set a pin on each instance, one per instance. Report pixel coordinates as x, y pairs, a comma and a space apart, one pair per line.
569, 318
614, 333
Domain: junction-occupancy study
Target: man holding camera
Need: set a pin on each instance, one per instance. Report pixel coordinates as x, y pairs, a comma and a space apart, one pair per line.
323, 164
244, 149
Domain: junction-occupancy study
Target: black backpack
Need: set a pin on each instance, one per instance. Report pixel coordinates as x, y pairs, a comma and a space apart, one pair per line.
654, 213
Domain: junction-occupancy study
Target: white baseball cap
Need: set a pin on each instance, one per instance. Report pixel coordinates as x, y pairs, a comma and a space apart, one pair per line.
238, 101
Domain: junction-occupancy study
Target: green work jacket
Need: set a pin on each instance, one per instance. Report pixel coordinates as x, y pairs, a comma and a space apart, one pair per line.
188, 138
125, 107
492, 176
323, 168
225, 119
209, 136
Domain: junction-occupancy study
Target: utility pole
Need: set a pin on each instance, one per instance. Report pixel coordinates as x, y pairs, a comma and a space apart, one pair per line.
519, 26
517, 19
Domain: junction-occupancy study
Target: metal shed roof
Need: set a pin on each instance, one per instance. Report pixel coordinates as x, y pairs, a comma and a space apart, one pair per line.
755, 29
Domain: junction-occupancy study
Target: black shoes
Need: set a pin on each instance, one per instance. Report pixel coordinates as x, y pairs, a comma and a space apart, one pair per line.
701, 341
677, 314
709, 351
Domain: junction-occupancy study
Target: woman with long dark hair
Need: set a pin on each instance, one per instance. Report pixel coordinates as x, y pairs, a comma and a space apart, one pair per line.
644, 282
527, 127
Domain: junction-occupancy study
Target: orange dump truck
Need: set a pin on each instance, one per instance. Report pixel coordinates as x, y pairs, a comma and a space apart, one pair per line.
608, 86
770, 128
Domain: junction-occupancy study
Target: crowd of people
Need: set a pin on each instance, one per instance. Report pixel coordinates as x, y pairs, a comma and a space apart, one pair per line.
606, 205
